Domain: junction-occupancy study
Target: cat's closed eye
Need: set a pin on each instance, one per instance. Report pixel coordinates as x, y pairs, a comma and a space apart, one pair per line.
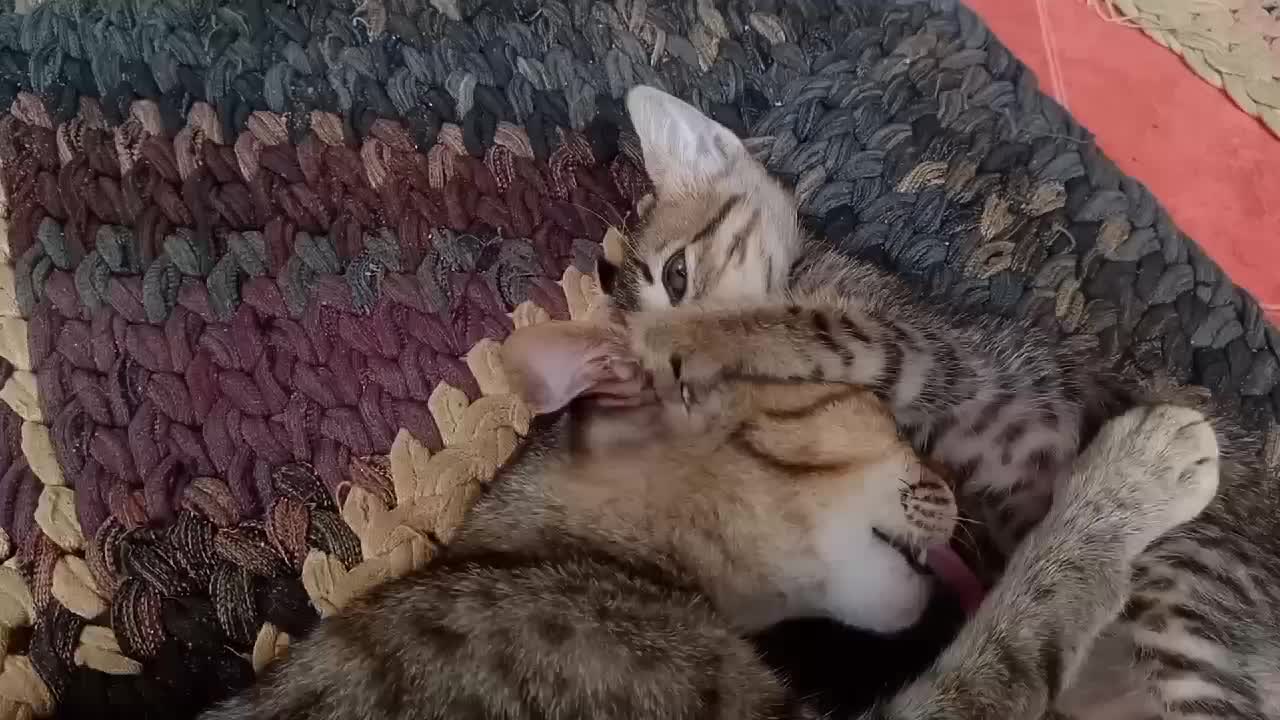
675, 278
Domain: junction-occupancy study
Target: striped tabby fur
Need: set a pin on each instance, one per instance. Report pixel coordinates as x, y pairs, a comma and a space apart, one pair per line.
615, 564
568, 596
729, 287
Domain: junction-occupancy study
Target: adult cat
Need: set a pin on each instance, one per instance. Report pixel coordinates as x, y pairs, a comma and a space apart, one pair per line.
734, 289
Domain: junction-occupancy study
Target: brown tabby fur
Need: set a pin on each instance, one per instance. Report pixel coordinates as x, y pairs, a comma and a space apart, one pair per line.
614, 563
730, 287
575, 621
601, 576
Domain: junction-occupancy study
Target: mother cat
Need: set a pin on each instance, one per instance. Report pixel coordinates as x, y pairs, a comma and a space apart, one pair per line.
734, 290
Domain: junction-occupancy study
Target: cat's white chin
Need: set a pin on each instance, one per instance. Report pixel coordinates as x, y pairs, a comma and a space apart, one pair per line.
873, 588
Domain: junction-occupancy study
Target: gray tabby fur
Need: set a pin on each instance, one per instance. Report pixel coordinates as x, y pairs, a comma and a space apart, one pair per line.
731, 288
583, 627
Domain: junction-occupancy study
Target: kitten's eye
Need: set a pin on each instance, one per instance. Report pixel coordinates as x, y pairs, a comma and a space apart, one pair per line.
674, 277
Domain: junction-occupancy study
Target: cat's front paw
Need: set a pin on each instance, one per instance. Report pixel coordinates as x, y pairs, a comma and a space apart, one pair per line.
680, 353
1158, 462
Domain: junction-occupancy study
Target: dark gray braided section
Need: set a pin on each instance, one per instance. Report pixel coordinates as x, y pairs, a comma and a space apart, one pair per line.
909, 130
248, 161
923, 143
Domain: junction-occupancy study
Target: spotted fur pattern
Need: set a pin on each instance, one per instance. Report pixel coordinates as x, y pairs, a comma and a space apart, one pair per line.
558, 625
614, 566
999, 403
1149, 472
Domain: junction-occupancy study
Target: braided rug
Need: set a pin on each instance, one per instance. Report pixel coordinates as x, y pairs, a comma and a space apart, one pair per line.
1233, 45
256, 258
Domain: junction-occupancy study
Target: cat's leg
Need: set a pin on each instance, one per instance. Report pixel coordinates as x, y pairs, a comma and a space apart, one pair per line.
919, 362
1148, 471
992, 403
804, 340
1200, 633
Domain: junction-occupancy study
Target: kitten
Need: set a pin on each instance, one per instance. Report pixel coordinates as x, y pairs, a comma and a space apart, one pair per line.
728, 286
998, 402
566, 595
780, 499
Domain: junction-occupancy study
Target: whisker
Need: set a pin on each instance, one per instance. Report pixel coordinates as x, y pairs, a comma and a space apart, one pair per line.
601, 218
967, 540
630, 241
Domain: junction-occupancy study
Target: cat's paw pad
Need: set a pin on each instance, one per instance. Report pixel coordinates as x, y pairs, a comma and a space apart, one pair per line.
1174, 451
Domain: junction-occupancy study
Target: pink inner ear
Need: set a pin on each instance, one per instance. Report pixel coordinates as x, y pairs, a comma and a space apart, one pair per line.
552, 363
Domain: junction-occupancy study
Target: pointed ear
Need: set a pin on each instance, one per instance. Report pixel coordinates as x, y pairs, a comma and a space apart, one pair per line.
683, 149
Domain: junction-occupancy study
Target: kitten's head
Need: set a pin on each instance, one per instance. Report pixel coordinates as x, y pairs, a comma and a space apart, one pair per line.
717, 229
785, 499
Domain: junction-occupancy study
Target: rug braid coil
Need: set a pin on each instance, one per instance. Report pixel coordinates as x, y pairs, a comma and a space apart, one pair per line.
1233, 45
256, 259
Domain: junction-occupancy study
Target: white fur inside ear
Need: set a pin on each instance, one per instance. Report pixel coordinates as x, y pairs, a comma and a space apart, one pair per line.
683, 149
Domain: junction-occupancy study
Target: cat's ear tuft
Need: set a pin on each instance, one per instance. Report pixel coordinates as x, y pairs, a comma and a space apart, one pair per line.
684, 150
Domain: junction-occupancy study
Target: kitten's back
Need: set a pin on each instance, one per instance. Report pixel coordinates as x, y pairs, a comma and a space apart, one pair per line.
510, 636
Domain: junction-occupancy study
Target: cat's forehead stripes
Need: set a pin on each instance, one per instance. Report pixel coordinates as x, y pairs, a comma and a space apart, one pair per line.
661, 237
726, 258
720, 236
713, 225
738, 249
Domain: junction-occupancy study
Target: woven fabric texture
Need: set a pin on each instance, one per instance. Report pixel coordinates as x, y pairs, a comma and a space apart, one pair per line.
1233, 44
256, 258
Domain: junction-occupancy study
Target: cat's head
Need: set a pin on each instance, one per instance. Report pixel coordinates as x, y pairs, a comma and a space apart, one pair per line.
717, 229
805, 494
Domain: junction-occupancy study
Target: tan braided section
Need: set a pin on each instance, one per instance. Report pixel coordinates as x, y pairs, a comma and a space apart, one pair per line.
431, 491
1233, 44
22, 692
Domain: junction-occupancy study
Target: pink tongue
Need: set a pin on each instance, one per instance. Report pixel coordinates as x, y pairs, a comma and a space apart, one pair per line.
956, 576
